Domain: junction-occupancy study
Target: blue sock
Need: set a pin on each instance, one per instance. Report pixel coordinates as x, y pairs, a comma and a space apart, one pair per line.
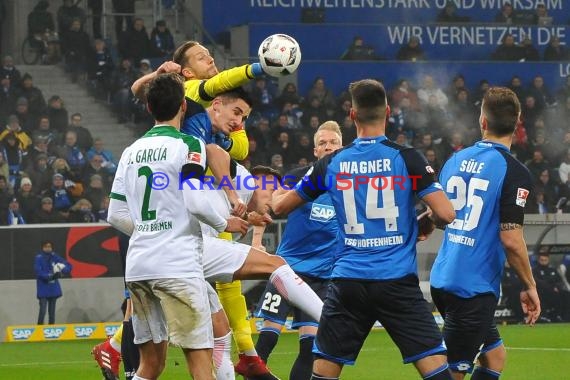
482, 373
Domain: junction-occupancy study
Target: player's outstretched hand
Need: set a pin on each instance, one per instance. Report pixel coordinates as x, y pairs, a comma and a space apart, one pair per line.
258, 219
425, 224
530, 305
169, 67
236, 224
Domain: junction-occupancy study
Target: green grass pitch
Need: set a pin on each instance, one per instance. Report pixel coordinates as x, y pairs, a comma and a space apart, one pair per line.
541, 352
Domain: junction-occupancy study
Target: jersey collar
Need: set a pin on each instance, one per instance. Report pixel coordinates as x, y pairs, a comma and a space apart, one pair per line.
491, 144
369, 140
162, 130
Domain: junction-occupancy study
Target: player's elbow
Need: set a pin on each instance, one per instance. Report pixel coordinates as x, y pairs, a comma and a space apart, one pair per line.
447, 216
512, 242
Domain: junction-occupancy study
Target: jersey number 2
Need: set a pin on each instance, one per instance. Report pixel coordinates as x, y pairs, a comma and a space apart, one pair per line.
146, 214
466, 197
389, 212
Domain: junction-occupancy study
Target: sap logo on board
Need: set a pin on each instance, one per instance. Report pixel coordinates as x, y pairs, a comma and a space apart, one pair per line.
322, 213
22, 334
53, 332
111, 330
84, 331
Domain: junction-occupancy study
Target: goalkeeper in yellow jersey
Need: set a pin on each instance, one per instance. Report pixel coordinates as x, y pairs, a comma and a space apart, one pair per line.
203, 83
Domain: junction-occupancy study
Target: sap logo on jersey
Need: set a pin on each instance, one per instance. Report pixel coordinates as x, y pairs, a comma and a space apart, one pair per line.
22, 334
111, 330
84, 331
322, 213
53, 332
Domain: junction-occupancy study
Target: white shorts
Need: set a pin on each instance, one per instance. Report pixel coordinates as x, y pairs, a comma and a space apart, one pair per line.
174, 309
222, 258
215, 304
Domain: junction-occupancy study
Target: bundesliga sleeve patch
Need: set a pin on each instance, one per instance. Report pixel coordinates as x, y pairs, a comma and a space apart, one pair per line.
522, 195
194, 158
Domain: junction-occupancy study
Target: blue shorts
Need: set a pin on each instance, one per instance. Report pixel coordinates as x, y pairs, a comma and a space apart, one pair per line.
353, 306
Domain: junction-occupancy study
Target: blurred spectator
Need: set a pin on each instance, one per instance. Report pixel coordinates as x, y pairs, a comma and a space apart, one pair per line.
95, 166
304, 148
404, 90
519, 148
44, 132
100, 70
516, 86
13, 128
314, 108
457, 84
103, 212
67, 13
41, 25
563, 93
255, 155
508, 50
262, 96
537, 164
530, 112
435, 114
47, 214
549, 287
123, 78
430, 89
35, 97
81, 212
325, 96
4, 168
448, 14
8, 97
75, 45
95, 191
84, 138
480, 92
40, 173
402, 139
564, 168
125, 10
541, 93
49, 268
28, 200
8, 70
14, 158
412, 51
162, 40
506, 14
59, 194
58, 117
546, 186
289, 94
554, 51
277, 163
109, 161
433, 161
144, 67
284, 148
464, 111
541, 15
5, 192
294, 115
537, 203
358, 51
96, 7
12, 216
314, 123
73, 155
348, 130
261, 133
564, 114
135, 43
26, 120
40, 147
528, 51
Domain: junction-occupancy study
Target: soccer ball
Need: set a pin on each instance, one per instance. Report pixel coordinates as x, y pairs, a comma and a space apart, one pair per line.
279, 54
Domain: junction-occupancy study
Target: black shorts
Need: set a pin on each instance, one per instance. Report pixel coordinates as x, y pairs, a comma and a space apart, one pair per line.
273, 307
469, 327
352, 307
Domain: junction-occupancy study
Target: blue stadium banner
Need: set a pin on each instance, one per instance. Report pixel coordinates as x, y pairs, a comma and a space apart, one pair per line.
468, 42
220, 15
497, 73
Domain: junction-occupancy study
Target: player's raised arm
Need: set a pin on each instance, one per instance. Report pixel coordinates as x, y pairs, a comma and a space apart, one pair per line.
138, 87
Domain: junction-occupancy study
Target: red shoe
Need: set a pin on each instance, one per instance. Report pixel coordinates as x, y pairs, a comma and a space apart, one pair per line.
108, 359
253, 368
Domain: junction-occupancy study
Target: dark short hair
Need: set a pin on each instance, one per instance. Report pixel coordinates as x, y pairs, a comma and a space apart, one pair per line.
265, 170
164, 95
235, 94
179, 55
501, 108
369, 100
44, 242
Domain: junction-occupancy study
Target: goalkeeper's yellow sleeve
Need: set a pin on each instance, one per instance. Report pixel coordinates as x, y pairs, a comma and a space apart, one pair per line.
204, 91
240, 145
234, 304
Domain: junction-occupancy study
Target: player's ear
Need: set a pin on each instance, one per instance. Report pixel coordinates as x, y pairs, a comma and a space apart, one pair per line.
183, 106
483, 123
388, 110
187, 73
352, 114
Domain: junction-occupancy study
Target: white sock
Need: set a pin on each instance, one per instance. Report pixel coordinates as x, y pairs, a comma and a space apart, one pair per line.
137, 377
222, 358
296, 291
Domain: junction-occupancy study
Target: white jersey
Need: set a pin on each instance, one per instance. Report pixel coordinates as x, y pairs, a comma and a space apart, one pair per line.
244, 184
167, 239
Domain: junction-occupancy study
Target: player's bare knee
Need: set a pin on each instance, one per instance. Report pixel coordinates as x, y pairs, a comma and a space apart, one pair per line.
494, 359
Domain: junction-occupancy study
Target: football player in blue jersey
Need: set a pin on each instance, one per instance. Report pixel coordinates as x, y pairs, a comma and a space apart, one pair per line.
373, 183
488, 188
307, 245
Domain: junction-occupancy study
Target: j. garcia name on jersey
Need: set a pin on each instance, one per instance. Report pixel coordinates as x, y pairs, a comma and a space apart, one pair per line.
322, 213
